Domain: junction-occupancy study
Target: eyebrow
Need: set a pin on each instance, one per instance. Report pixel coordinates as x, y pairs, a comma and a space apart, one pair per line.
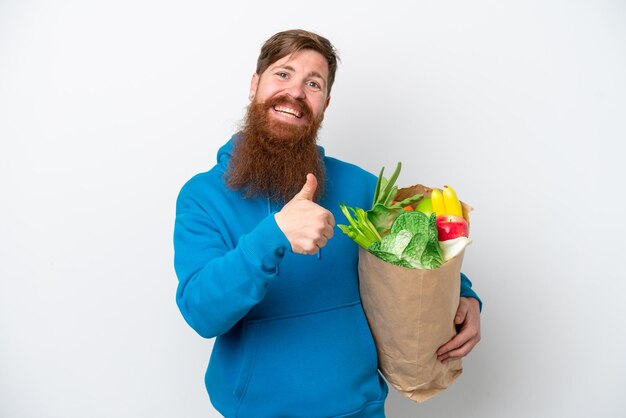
290, 68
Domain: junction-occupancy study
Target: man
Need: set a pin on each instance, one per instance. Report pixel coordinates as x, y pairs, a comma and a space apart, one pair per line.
292, 338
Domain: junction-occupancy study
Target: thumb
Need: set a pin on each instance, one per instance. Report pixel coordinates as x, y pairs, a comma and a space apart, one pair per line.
308, 190
461, 313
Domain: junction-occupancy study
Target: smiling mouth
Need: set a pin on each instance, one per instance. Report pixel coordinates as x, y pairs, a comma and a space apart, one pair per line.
287, 111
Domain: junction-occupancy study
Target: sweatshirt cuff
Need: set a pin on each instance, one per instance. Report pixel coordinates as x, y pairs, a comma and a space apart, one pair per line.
467, 291
267, 243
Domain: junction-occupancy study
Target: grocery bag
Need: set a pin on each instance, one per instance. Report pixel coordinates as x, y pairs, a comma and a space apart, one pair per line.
411, 314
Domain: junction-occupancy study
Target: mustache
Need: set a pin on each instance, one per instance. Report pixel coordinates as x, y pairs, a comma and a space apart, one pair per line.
285, 100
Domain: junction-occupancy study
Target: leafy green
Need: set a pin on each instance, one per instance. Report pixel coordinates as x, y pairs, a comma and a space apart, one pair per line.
379, 185
389, 257
412, 241
382, 217
360, 229
384, 211
423, 251
404, 238
395, 244
385, 189
414, 222
408, 200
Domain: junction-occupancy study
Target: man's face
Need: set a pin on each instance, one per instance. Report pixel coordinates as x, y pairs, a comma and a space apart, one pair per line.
296, 86
279, 134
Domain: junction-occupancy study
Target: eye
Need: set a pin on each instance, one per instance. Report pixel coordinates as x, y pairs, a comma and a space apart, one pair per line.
314, 84
282, 74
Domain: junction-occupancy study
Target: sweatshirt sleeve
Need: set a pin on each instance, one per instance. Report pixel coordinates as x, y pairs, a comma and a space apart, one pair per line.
467, 291
218, 285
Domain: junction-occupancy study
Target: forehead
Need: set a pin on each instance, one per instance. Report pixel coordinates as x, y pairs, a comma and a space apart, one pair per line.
306, 60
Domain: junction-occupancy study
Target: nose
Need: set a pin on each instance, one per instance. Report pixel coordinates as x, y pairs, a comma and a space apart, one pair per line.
296, 91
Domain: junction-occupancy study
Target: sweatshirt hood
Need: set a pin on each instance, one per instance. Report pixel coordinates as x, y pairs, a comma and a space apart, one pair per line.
226, 150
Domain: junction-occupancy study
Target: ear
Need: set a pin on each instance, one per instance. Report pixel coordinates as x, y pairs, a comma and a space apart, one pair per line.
327, 103
254, 83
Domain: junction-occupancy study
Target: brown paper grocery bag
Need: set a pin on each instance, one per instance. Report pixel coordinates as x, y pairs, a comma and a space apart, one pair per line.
411, 314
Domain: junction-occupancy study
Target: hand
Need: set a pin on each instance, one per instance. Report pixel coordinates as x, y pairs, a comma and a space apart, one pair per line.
307, 225
468, 318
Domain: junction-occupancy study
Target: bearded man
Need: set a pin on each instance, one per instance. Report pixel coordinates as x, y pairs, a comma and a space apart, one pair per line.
292, 337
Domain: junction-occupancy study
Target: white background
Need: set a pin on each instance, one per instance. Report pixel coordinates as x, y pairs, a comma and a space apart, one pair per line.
108, 107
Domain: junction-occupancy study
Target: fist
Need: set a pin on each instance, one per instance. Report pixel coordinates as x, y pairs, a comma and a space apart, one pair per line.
307, 225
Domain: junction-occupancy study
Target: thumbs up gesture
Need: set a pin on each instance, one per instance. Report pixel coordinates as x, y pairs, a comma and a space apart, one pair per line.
307, 225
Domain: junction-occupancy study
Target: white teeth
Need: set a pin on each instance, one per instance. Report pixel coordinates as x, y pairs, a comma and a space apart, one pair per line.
287, 111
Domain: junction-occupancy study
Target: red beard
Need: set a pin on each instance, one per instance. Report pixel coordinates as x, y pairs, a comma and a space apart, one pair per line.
272, 158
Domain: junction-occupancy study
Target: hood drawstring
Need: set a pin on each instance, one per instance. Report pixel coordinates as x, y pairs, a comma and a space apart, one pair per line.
269, 212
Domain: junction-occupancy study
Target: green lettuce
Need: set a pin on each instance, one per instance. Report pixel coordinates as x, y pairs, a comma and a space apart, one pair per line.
412, 242
404, 238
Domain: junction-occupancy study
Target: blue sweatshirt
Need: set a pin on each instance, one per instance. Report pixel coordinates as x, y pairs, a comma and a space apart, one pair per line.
292, 337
